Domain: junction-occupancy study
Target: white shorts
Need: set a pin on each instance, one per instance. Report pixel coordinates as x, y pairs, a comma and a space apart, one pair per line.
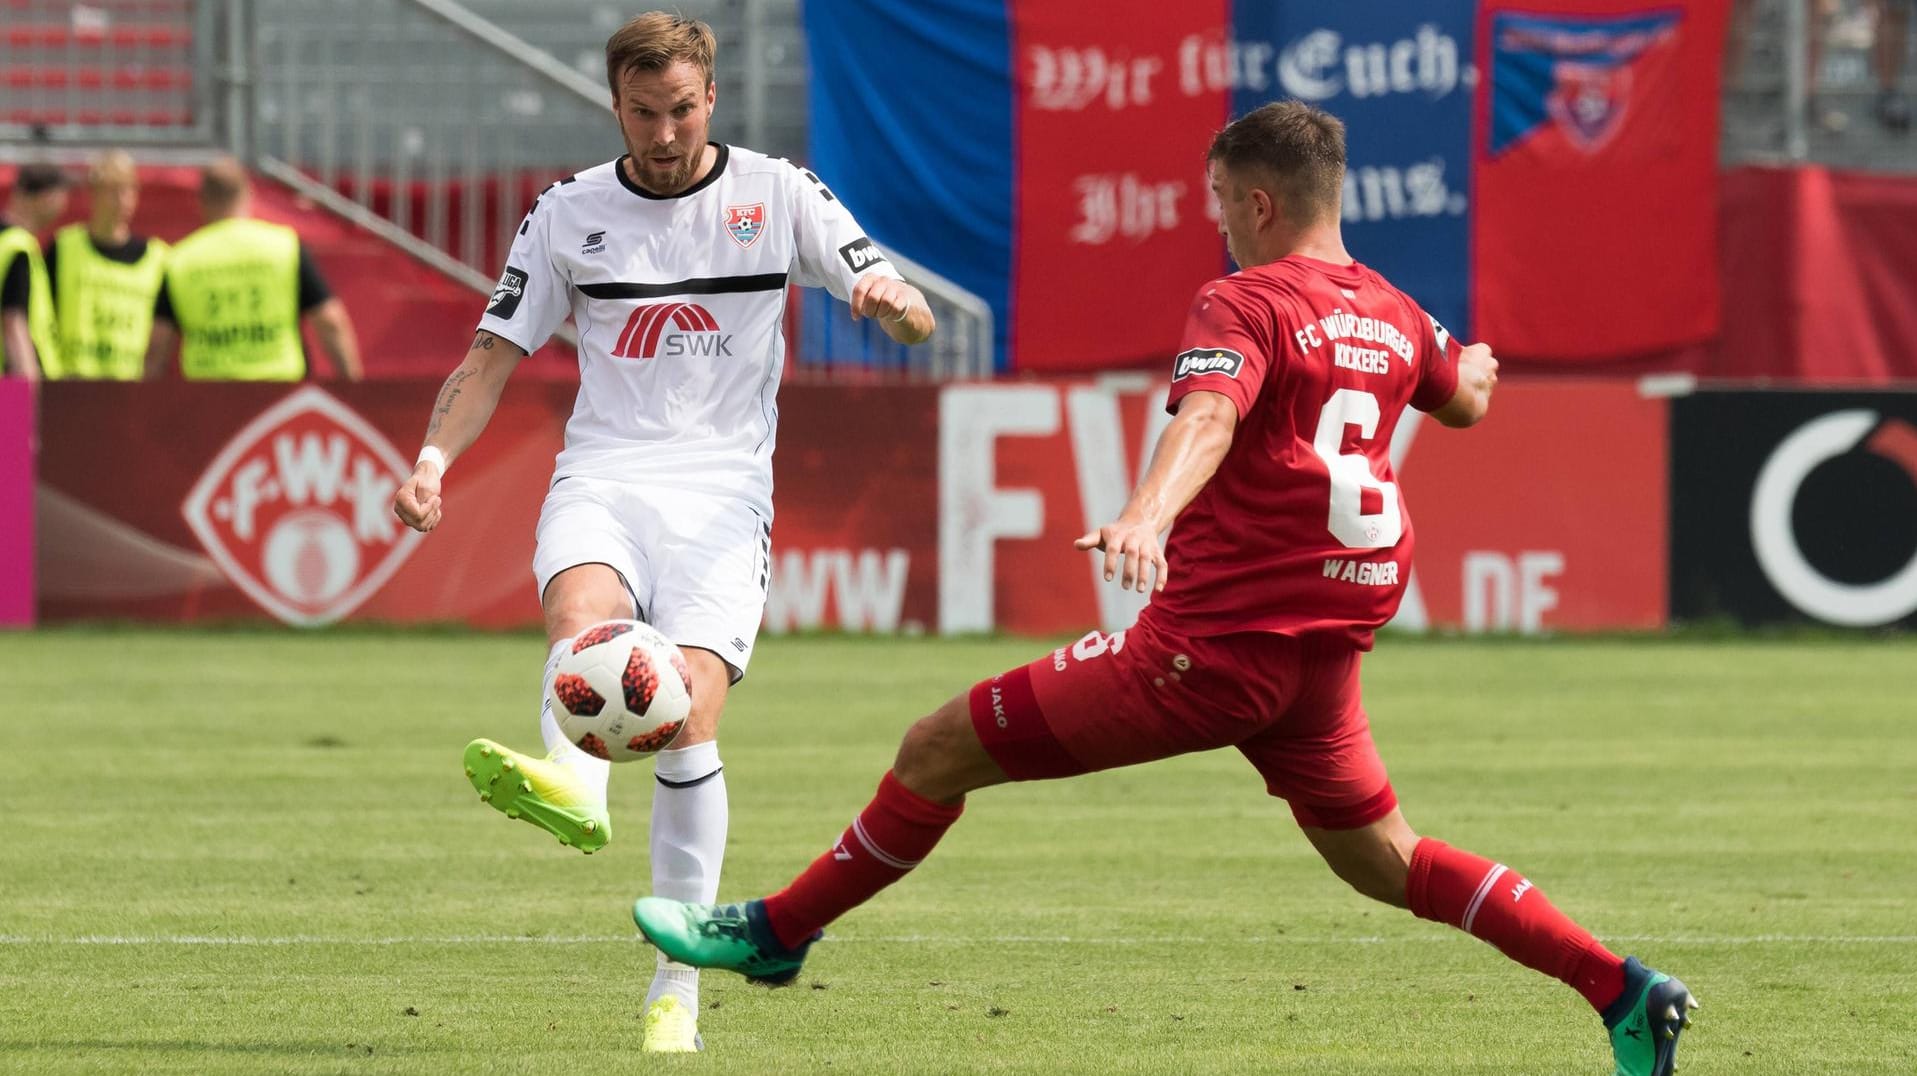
696, 565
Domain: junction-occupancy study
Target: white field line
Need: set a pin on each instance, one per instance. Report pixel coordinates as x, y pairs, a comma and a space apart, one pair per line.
916, 939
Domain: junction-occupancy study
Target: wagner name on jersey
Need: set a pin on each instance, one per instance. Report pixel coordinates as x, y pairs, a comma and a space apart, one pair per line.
679, 301
1303, 528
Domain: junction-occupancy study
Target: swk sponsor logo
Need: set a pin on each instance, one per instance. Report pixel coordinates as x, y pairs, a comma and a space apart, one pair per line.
672, 330
295, 509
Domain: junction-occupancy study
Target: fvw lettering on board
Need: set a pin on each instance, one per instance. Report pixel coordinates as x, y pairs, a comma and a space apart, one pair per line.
1023, 469
1513, 589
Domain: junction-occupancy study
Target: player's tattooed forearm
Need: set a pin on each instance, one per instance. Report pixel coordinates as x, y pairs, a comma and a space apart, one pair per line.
484, 340
450, 391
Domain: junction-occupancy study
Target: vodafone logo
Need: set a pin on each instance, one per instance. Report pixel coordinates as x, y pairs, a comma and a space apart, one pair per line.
671, 329
294, 509
1774, 537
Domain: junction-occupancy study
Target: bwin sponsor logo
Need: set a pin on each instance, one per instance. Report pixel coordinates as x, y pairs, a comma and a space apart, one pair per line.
1207, 360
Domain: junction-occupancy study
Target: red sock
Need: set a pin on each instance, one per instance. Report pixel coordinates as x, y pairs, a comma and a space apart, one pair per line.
894, 832
1492, 902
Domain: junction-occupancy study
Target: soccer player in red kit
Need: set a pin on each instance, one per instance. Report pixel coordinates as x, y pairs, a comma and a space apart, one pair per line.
1292, 546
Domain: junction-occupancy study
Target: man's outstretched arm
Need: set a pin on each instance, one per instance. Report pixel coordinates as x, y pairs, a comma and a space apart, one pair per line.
466, 402
1187, 455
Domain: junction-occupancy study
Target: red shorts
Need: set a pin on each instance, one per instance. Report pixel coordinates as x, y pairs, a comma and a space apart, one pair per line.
1289, 704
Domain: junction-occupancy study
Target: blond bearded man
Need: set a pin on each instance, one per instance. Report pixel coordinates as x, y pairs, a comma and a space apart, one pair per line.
673, 262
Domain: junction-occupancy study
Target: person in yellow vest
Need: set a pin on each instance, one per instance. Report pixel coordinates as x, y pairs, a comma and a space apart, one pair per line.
236, 291
28, 338
105, 281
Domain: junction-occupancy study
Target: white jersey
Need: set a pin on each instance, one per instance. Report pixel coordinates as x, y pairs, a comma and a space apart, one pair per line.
679, 301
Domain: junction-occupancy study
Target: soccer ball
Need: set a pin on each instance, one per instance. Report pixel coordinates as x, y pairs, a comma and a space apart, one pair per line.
621, 691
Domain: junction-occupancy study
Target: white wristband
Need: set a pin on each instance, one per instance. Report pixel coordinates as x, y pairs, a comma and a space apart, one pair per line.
431, 454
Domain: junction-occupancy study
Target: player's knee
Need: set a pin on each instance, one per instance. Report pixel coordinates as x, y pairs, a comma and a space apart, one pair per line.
573, 611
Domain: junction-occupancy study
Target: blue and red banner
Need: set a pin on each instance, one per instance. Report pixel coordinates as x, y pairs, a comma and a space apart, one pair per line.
1595, 180
1541, 175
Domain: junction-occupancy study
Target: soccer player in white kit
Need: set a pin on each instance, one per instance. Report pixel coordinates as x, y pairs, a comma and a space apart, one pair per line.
673, 261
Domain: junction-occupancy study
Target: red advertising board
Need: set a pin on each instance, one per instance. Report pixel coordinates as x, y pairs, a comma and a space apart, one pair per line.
16, 503
1552, 513
922, 508
174, 501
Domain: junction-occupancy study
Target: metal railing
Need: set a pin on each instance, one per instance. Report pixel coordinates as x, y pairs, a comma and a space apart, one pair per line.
831, 344
1822, 82
396, 135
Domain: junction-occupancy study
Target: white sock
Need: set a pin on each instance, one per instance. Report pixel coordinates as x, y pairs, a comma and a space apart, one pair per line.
593, 771
689, 817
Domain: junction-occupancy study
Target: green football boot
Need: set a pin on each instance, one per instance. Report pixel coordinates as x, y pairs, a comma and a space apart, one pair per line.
539, 791
730, 937
1646, 1020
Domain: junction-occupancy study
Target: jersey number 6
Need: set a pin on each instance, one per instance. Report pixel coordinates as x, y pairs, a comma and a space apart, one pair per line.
1351, 474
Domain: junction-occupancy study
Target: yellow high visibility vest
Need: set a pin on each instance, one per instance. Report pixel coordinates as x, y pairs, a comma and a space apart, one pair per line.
234, 286
17, 242
105, 307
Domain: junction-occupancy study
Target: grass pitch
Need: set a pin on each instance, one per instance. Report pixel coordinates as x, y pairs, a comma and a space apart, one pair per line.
257, 852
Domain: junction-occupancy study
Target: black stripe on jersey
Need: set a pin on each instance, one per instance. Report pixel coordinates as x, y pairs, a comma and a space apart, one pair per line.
698, 285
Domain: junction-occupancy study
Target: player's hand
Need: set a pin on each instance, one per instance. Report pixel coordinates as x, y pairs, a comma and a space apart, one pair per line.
1130, 547
1478, 369
417, 503
876, 296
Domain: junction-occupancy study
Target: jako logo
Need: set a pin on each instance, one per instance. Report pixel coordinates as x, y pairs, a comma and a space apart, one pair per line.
645, 334
296, 509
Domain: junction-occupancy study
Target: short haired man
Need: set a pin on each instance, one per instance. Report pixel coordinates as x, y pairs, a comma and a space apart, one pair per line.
674, 262
237, 290
29, 338
1292, 546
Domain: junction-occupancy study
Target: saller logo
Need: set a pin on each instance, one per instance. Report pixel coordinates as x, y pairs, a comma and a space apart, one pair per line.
295, 509
649, 332
1207, 360
506, 295
861, 254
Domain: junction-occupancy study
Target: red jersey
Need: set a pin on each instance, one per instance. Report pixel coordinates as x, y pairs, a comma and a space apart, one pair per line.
1303, 528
